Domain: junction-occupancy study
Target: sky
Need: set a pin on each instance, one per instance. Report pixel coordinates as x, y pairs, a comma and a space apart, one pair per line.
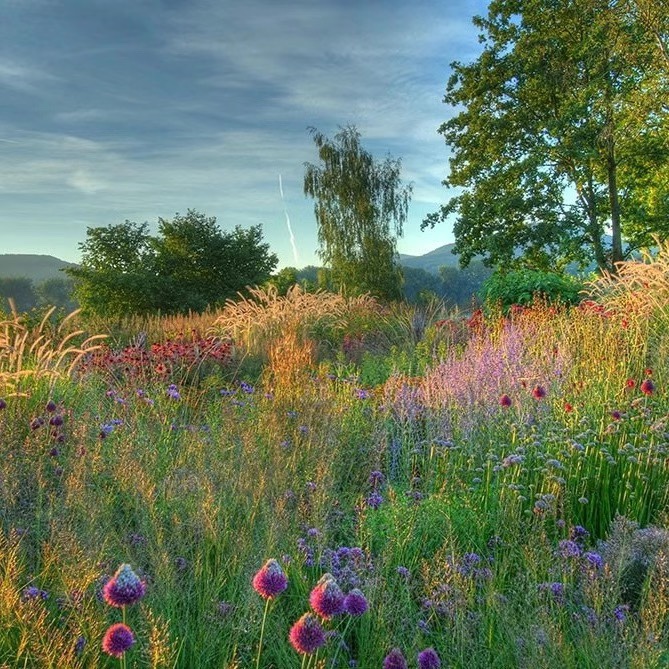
138, 109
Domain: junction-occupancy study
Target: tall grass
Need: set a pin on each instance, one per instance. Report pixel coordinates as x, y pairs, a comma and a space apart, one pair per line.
529, 532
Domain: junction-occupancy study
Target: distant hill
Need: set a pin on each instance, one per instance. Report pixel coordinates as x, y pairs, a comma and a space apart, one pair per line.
35, 267
431, 261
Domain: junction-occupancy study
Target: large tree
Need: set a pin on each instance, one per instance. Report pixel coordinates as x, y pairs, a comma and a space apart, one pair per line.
190, 265
561, 134
360, 206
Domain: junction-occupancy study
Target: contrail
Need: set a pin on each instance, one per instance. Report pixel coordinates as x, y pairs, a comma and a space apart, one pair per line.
290, 229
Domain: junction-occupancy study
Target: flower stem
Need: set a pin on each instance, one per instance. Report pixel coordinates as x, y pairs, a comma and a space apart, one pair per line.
262, 633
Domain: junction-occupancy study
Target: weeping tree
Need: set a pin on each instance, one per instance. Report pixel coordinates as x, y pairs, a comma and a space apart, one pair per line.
360, 206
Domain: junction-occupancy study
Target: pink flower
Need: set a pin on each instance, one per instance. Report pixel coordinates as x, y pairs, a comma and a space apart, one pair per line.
505, 401
647, 387
270, 580
117, 640
326, 598
307, 635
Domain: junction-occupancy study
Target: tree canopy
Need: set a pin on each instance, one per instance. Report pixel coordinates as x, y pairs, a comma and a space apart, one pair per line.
360, 206
188, 266
560, 140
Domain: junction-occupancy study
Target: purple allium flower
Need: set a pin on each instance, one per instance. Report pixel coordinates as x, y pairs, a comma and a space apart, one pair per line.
124, 588
538, 392
326, 598
376, 478
428, 659
56, 420
181, 563
374, 500
117, 640
362, 394
647, 387
505, 401
50, 406
355, 603
270, 580
556, 589
307, 635
569, 549
395, 660
3, 404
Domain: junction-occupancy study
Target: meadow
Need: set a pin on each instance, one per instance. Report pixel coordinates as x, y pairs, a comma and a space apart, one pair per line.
493, 487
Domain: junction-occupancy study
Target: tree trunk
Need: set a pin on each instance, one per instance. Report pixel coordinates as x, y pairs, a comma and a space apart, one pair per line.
614, 203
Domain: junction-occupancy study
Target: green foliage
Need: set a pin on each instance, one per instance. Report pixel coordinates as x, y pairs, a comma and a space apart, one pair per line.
189, 266
360, 208
525, 286
20, 290
566, 97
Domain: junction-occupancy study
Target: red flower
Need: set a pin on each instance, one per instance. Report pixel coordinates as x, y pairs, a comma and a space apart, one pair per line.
647, 387
505, 401
538, 392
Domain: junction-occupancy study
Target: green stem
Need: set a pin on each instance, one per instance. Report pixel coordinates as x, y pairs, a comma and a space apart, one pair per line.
262, 633
341, 641
123, 660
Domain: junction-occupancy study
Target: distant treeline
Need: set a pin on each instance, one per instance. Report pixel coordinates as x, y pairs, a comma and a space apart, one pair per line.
28, 294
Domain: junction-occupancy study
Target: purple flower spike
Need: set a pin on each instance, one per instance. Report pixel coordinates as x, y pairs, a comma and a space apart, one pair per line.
124, 588
117, 640
270, 581
326, 598
355, 603
307, 635
428, 659
395, 660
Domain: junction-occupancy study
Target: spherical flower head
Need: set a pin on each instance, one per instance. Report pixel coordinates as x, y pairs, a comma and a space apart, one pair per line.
307, 635
3, 404
538, 392
355, 603
569, 549
124, 588
270, 580
647, 387
117, 640
395, 660
327, 599
505, 401
428, 659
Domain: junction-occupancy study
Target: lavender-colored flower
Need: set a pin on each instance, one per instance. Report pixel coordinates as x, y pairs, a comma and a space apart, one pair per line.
593, 559
362, 394
247, 388
376, 478
79, 645
428, 659
374, 500
307, 635
355, 603
270, 580
124, 588
32, 592
620, 612
117, 640
556, 589
326, 598
569, 549
578, 533
395, 660
403, 572
173, 392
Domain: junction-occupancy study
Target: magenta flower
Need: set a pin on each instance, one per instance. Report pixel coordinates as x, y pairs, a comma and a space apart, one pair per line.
326, 598
538, 392
395, 660
270, 580
355, 603
307, 635
647, 387
505, 401
117, 640
428, 659
124, 588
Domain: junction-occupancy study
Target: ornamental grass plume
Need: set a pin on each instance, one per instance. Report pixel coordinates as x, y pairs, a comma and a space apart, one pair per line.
307, 635
395, 660
428, 659
117, 640
270, 580
327, 598
124, 588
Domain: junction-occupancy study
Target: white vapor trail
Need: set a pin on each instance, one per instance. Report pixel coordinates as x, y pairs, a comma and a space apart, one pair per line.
290, 229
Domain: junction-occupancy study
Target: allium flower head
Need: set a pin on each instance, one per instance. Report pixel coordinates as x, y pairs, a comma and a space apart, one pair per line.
117, 640
505, 401
270, 580
647, 387
326, 598
355, 603
428, 659
538, 392
395, 660
307, 635
569, 549
3, 404
124, 588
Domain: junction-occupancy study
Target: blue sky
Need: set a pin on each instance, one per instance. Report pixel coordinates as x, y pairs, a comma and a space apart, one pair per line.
139, 109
